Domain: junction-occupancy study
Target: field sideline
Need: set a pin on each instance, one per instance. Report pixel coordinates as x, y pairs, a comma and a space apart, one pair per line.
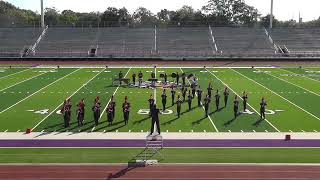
31, 97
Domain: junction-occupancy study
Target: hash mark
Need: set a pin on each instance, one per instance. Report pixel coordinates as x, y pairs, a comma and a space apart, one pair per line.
18, 130
254, 131
266, 130
6, 130
315, 130
204, 131
229, 130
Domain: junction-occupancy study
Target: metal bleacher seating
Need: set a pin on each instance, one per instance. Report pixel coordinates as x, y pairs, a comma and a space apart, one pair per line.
242, 41
298, 40
126, 42
66, 42
14, 40
185, 42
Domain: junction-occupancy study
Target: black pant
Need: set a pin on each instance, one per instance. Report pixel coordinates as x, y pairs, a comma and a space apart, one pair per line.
189, 104
152, 125
66, 118
80, 119
206, 108
217, 105
164, 105
126, 117
244, 106
225, 101
235, 111
199, 101
172, 100
262, 114
193, 93
178, 111
134, 81
96, 116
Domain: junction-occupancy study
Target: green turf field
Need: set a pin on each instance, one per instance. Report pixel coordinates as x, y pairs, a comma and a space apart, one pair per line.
169, 155
31, 98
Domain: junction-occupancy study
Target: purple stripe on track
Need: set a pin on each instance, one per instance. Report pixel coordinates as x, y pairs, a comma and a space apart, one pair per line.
167, 143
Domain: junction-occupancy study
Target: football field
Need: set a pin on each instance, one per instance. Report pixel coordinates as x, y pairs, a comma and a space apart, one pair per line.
32, 98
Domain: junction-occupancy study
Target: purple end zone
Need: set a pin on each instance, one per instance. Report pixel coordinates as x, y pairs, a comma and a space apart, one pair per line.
167, 143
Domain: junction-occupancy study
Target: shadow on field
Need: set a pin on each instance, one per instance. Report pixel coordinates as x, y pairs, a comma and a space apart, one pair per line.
114, 126
229, 122
199, 121
141, 121
171, 121
258, 122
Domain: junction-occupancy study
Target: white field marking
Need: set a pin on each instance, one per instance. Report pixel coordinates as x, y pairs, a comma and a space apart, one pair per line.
254, 130
19, 130
167, 131
242, 99
290, 130
215, 127
229, 130
104, 131
301, 75
292, 84
22, 81
315, 130
94, 127
68, 97
179, 130
204, 131
6, 130
15, 73
266, 130
38, 91
241, 130
114, 93
278, 95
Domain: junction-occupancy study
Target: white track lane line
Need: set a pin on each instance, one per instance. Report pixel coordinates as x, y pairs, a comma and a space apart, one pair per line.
15, 73
242, 99
215, 127
38, 91
69, 97
301, 75
292, 84
278, 95
23, 81
114, 93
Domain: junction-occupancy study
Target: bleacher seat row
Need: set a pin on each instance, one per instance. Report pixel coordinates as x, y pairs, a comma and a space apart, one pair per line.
160, 42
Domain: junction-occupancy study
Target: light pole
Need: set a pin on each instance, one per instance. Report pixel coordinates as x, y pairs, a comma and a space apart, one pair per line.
271, 15
42, 15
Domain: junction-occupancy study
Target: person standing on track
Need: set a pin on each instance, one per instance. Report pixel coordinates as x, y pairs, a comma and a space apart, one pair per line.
155, 119
173, 93
217, 96
134, 79
164, 100
151, 103
96, 110
140, 75
126, 110
245, 100
226, 96
179, 103
80, 112
263, 105
189, 100
207, 101
235, 107
199, 94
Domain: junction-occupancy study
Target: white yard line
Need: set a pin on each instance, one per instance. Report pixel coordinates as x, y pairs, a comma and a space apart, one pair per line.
38, 91
15, 73
23, 81
105, 108
215, 127
242, 99
292, 84
69, 97
301, 75
278, 95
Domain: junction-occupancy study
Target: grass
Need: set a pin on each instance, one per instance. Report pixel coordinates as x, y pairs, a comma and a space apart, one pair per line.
223, 155
30, 98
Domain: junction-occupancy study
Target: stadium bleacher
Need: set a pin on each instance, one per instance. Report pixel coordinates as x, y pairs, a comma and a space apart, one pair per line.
242, 41
66, 42
126, 42
14, 40
298, 40
185, 42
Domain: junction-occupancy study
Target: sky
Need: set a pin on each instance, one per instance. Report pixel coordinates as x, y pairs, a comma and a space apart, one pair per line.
283, 9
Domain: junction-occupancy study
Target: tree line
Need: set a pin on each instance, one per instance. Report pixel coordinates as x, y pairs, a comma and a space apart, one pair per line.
215, 12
